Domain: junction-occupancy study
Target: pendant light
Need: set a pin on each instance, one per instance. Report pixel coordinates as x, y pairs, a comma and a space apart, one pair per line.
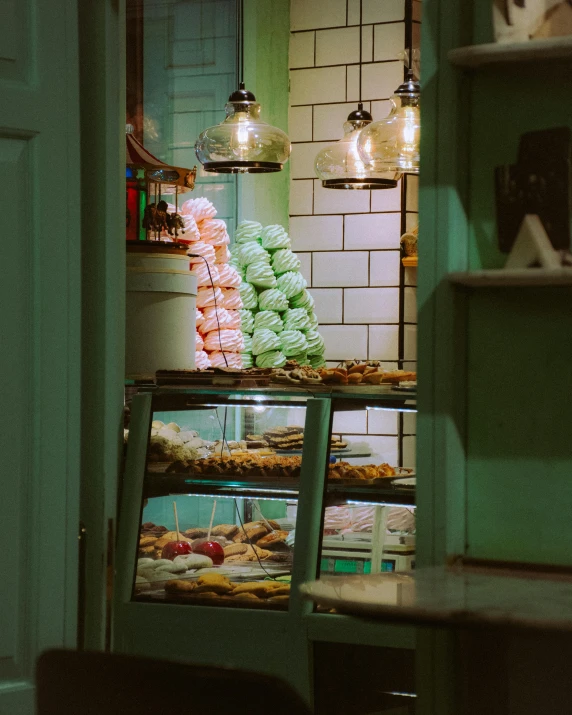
242, 143
339, 165
392, 144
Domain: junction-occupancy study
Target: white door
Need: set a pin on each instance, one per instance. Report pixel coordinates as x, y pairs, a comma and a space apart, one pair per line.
39, 338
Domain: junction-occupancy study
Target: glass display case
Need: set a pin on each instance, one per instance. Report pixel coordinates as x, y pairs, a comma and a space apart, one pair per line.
218, 503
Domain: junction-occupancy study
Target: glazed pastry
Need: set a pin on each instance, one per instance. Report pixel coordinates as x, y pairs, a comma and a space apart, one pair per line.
231, 299
232, 360
260, 274
227, 340
315, 342
202, 249
292, 342
291, 283
302, 300
284, 260
247, 339
201, 271
269, 320
264, 340
213, 231
296, 319
248, 231
274, 236
227, 320
207, 297
199, 318
316, 361
273, 358
252, 252
272, 299
199, 343
222, 254
228, 276
199, 209
248, 295
234, 550
246, 320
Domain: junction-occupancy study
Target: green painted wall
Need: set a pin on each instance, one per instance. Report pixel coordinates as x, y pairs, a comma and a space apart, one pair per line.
265, 197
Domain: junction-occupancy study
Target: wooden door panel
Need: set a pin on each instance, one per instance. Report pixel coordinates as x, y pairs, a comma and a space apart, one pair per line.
40, 300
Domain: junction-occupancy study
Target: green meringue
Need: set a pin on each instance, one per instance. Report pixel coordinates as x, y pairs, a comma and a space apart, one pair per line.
252, 253
317, 361
247, 339
296, 319
275, 236
315, 342
284, 260
272, 299
268, 319
291, 283
246, 321
301, 358
292, 342
248, 231
273, 358
260, 274
312, 320
264, 340
247, 360
248, 295
302, 300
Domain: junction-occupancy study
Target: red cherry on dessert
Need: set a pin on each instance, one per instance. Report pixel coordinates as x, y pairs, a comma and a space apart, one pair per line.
212, 549
176, 548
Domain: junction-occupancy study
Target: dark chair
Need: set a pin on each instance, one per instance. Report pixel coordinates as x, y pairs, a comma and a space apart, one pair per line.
88, 683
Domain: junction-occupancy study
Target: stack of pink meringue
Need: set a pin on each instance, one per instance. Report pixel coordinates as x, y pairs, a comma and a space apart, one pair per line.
219, 337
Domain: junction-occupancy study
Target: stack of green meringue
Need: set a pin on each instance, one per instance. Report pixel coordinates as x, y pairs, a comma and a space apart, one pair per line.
277, 319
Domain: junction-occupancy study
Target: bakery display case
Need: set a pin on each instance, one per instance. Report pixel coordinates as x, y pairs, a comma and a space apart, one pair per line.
234, 497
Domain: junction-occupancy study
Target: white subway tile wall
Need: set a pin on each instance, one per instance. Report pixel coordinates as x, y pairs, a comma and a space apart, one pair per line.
348, 241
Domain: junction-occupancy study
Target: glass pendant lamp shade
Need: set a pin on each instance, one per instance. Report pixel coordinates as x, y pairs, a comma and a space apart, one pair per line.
340, 166
392, 144
242, 142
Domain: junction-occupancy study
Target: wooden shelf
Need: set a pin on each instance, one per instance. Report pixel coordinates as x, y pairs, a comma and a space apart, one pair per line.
474, 56
410, 261
518, 278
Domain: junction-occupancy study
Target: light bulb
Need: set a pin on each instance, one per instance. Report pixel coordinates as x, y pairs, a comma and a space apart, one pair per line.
340, 165
392, 144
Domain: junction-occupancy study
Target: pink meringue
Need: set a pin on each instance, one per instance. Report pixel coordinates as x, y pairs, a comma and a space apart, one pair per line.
231, 299
232, 360
201, 271
229, 276
208, 297
199, 342
202, 361
199, 318
200, 209
227, 320
213, 231
201, 249
231, 341
191, 234
222, 254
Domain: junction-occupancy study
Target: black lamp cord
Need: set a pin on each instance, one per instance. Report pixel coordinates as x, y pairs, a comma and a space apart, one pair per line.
240, 42
196, 255
360, 103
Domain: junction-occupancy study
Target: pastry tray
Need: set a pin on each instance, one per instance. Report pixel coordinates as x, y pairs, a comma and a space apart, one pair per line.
227, 601
389, 481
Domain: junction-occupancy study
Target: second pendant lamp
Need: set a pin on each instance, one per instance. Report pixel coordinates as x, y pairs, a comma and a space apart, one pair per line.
339, 165
242, 143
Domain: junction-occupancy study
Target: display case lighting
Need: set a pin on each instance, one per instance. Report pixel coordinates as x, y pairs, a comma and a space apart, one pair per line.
400, 408
362, 502
289, 495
